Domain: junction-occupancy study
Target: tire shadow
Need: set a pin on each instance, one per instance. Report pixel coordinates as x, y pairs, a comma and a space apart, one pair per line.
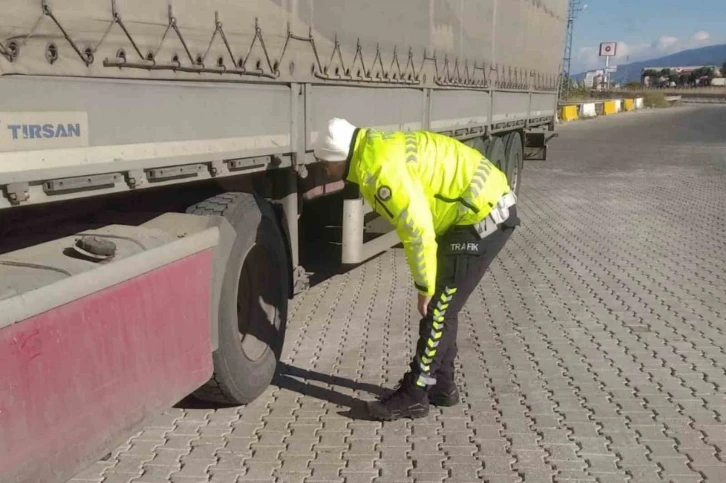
193, 402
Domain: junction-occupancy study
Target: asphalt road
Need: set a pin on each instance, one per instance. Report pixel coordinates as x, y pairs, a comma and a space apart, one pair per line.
592, 352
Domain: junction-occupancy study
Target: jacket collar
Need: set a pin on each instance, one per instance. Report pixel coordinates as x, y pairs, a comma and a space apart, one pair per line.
351, 163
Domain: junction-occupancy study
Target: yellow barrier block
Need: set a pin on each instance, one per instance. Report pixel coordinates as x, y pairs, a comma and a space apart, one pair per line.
569, 113
628, 105
610, 107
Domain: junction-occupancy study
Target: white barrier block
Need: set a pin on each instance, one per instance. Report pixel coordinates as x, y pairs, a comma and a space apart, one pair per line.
618, 105
639, 103
588, 110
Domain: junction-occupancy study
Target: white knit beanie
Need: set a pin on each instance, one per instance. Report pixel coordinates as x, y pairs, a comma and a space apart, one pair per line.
333, 144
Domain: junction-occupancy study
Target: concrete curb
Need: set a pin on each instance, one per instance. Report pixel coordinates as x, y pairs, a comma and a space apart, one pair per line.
586, 110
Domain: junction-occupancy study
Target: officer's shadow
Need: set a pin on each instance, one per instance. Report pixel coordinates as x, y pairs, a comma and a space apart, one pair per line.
310, 383
298, 380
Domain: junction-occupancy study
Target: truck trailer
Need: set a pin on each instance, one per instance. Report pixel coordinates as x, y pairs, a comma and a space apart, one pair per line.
157, 182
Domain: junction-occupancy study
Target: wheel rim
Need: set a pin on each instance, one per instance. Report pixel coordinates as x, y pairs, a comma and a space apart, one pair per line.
256, 314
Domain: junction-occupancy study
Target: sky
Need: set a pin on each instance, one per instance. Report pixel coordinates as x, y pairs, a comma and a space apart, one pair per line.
645, 29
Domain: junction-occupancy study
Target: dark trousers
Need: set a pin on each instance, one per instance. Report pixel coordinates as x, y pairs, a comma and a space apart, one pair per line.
463, 259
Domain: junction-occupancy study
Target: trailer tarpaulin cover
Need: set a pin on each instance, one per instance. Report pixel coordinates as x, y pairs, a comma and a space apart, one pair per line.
281, 39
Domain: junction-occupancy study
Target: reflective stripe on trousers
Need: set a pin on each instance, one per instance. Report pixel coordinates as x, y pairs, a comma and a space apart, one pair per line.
437, 330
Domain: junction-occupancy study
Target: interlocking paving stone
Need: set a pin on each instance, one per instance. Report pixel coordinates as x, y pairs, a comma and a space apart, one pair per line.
95, 472
118, 478
593, 350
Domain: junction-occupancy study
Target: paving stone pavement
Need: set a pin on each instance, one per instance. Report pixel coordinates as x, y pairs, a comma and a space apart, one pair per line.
593, 351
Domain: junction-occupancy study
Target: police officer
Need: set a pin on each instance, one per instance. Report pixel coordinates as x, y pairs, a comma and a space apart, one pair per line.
453, 211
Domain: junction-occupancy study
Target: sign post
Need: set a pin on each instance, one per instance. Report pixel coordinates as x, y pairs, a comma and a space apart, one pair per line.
607, 50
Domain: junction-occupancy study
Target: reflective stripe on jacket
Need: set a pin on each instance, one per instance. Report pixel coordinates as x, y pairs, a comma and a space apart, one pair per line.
424, 183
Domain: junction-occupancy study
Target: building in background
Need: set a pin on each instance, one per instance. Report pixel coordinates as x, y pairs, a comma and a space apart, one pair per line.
594, 79
683, 76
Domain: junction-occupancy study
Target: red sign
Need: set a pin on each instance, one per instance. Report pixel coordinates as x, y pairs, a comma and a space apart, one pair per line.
608, 49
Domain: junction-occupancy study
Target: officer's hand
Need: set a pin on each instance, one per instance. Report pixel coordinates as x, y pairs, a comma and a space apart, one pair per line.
423, 304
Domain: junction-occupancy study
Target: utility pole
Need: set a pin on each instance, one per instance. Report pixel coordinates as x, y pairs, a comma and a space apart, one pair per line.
574, 8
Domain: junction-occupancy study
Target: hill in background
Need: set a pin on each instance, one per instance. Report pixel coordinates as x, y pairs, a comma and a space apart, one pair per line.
711, 55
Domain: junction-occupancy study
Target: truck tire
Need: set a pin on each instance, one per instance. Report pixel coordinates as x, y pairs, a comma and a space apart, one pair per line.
496, 153
480, 144
515, 160
252, 310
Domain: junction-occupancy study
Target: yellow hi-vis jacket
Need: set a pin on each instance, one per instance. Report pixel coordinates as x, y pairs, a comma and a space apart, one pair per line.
424, 183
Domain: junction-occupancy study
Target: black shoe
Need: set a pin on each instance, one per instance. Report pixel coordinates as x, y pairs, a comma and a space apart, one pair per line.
444, 398
407, 401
